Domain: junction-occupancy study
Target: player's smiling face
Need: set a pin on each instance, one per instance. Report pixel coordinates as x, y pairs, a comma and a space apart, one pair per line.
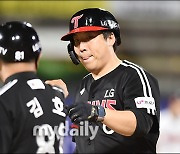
93, 50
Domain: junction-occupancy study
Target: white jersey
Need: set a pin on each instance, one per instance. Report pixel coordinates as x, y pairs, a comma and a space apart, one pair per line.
169, 140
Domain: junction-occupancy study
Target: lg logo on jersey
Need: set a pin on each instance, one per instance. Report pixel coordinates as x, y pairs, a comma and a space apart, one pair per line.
109, 93
106, 103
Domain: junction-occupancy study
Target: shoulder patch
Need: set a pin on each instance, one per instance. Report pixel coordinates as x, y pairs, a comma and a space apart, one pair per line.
36, 84
7, 86
146, 102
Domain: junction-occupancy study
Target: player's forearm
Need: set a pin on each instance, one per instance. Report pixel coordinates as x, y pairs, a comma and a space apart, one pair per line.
122, 122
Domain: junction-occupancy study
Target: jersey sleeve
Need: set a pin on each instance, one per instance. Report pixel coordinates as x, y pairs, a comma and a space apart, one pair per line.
59, 92
141, 96
5, 130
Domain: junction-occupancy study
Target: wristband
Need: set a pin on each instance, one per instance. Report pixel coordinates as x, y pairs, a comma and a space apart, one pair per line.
101, 113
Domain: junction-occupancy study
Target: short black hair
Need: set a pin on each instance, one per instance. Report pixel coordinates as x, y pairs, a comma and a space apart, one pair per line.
106, 34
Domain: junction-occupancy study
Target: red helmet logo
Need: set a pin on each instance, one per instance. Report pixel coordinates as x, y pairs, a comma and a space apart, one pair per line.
75, 20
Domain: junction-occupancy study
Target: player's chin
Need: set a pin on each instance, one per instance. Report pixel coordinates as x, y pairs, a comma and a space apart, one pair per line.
89, 64
90, 68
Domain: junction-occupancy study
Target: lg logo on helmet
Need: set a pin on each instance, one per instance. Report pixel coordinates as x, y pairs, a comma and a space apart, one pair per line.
75, 20
110, 23
36, 47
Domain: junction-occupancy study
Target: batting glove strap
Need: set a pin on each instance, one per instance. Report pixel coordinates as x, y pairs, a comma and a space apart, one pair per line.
101, 113
94, 114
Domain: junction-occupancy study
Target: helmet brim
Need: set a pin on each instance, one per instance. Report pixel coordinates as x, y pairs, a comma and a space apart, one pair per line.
68, 36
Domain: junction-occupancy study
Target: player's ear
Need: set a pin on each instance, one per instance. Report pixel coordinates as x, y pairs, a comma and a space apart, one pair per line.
111, 39
72, 53
0, 65
38, 59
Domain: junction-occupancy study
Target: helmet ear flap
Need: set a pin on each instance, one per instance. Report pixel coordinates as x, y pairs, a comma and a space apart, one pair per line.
72, 53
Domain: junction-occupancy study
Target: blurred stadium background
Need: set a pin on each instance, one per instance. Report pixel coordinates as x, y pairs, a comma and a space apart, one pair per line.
150, 33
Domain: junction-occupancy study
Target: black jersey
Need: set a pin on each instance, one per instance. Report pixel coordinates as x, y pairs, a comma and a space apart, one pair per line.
127, 87
31, 114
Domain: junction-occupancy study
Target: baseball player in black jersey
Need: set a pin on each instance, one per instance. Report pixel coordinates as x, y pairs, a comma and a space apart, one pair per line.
32, 113
118, 99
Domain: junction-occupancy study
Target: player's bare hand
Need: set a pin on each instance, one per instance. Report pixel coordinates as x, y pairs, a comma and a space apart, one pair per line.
59, 83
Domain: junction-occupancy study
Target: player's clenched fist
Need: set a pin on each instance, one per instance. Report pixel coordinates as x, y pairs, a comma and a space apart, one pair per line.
84, 111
